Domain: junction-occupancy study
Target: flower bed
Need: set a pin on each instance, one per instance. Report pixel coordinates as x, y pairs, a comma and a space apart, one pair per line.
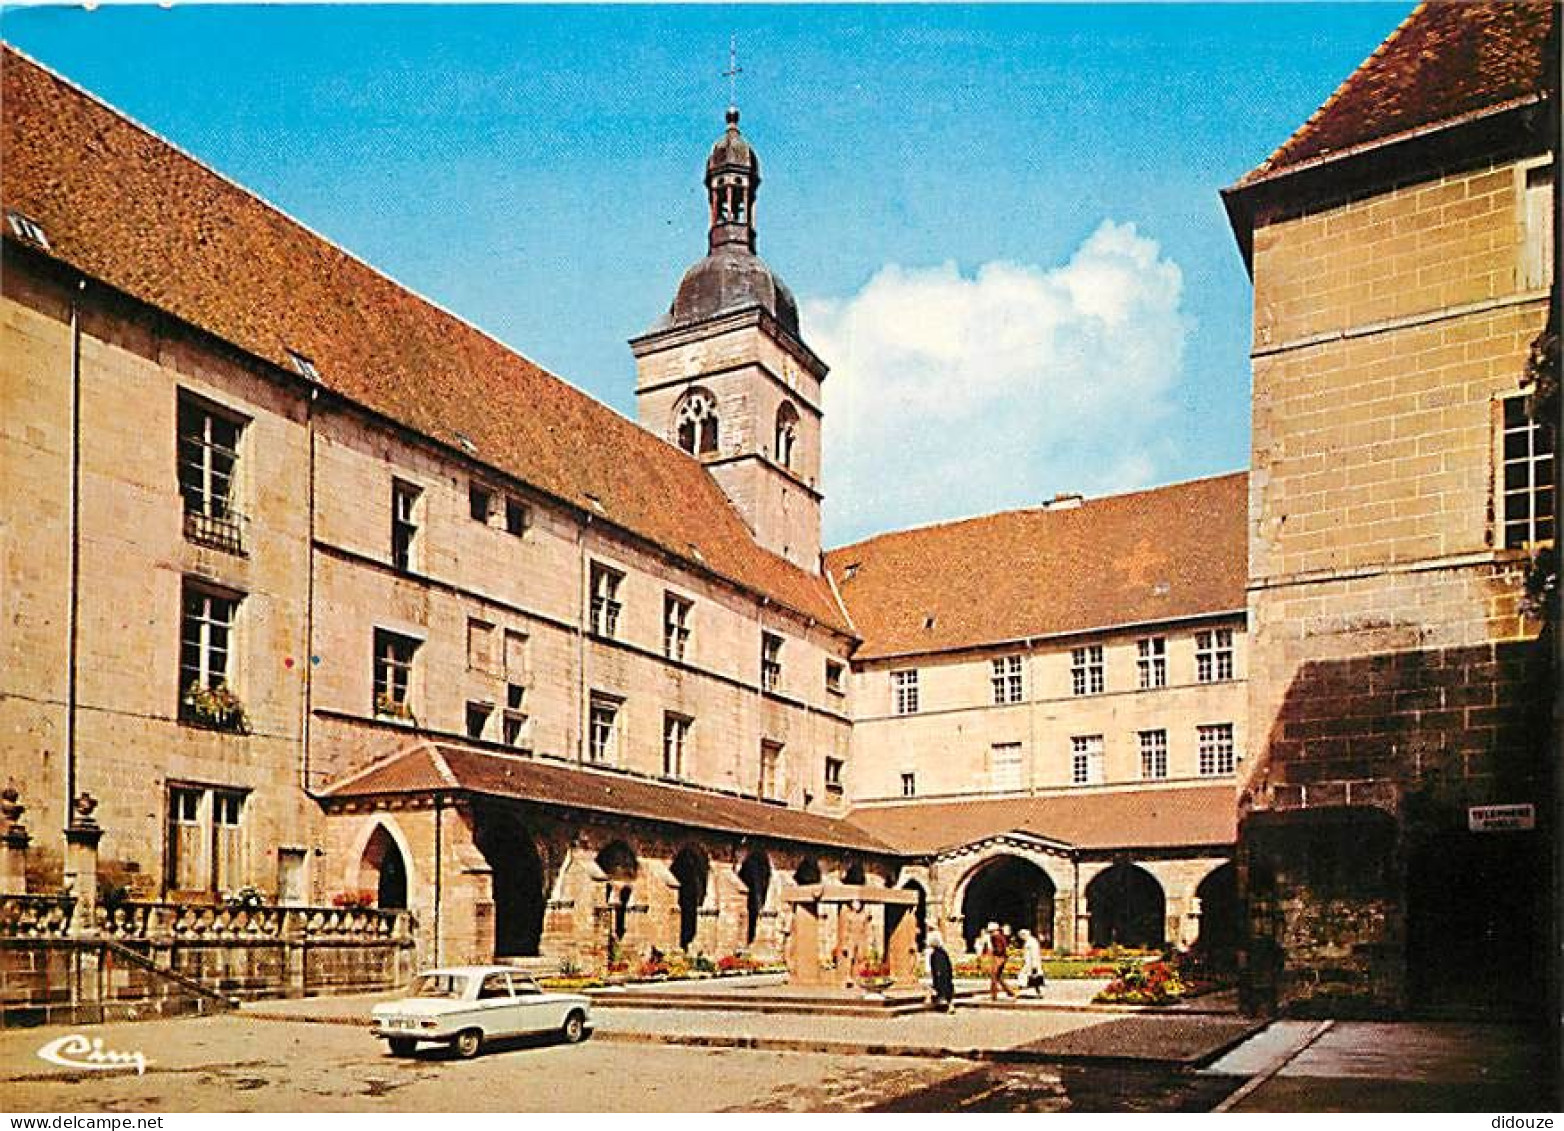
1062, 967
1143, 983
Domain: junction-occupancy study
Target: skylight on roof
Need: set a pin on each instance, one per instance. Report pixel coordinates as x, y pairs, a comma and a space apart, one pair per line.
304, 366
26, 228
466, 443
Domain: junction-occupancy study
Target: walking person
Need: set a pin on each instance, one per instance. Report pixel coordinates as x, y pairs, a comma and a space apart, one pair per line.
1032, 976
998, 943
941, 975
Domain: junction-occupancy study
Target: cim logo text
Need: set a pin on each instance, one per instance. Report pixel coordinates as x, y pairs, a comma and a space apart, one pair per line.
77, 1051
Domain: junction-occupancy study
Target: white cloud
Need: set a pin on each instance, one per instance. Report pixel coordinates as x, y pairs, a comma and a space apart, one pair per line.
952, 395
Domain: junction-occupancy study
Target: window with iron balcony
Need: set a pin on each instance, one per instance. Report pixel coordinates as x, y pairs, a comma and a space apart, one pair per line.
208, 475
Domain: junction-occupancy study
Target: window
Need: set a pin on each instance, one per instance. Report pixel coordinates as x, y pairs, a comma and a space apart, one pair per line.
1529, 494
1086, 759
676, 626
604, 745
480, 645
404, 523
1004, 765
478, 719
1006, 679
517, 519
514, 731
1216, 749
205, 846
303, 366
695, 423
1152, 662
676, 735
480, 502
909, 784
833, 677
394, 675
787, 434
1086, 673
904, 692
770, 661
605, 600
833, 776
1537, 224
208, 465
1153, 754
26, 228
771, 770
1214, 655
515, 657
205, 660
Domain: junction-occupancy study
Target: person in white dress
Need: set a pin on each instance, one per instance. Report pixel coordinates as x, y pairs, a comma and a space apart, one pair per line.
1032, 976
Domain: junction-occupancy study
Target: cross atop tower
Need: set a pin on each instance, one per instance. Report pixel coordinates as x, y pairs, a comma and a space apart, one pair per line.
734, 71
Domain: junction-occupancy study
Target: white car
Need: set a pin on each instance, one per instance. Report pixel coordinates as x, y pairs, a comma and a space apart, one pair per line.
464, 1006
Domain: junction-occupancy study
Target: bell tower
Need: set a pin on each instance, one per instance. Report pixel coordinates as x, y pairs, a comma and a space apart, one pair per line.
726, 376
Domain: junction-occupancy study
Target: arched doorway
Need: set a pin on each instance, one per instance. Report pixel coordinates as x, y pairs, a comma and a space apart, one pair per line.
383, 863
807, 872
854, 873
516, 882
690, 868
619, 863
1127, 908
756, 874
1009, 890
1219, 918
922, 912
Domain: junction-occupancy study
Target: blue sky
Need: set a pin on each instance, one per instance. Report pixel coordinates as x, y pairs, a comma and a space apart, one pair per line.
1002, 222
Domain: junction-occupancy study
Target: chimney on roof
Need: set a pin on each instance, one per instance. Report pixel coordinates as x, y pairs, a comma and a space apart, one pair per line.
1063, 501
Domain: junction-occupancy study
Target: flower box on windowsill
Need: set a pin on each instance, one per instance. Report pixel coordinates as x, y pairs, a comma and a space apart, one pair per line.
213, 708
394, 710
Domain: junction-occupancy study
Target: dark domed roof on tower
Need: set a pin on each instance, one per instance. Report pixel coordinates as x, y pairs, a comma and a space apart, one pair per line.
731, 277
732, 149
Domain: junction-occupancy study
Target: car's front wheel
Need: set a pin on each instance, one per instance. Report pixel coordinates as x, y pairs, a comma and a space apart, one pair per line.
574, 1027
402, 1046
467, 1043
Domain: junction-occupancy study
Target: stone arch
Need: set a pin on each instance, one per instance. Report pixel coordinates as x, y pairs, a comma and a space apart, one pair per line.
517, 882
807, 872
853, 873
376, 840
1006, 888
619, 863
786, 434
1127, 906
755, 871
1219, 915
693, 871
695, 424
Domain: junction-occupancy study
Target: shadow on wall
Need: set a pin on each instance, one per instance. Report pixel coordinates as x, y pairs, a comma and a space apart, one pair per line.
1365, 892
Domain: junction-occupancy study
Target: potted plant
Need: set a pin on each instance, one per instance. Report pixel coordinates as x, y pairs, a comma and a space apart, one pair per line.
388, 706
216, 708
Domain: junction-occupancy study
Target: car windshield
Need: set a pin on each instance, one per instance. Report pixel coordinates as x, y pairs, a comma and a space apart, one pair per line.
440, 985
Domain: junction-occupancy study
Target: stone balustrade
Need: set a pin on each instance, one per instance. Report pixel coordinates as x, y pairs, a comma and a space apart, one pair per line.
200, 922
36, 916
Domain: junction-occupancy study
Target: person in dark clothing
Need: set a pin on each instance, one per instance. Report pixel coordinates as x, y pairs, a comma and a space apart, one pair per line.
941, 974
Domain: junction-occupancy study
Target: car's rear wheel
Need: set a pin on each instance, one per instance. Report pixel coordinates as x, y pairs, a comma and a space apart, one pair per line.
402, 1046
467, 1043
574, 1028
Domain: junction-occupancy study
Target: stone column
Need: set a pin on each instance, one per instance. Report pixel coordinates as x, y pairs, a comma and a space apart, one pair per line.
13, 843
81, 864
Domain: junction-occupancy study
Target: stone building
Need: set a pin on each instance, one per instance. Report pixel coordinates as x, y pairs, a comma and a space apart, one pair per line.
324, 593
1398, 812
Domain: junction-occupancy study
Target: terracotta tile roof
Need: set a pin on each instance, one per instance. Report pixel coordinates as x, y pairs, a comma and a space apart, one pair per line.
1169, 817
1446, 61
443, 767
125, 207
1162, 554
